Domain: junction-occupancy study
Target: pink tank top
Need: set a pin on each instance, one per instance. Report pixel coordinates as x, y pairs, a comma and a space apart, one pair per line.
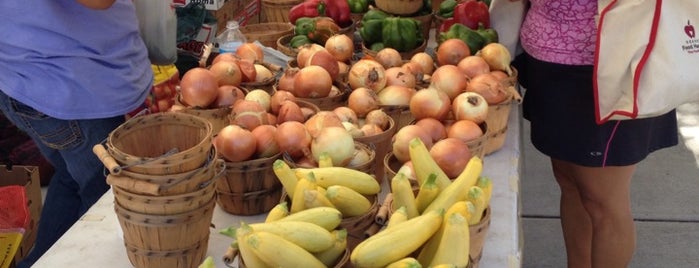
561, 31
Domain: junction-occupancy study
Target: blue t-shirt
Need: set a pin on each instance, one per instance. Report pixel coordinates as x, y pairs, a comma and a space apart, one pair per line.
72, 62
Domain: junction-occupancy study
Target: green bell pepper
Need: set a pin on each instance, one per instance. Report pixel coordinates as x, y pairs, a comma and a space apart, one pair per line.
472, 38
304, 25
377, 46
489, 34
371, 28
446, 8
299, 40
402, 34
358, 6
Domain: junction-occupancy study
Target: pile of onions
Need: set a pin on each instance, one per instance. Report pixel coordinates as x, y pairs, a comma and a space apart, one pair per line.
327, 61
228, 95
286, 81
434, 127
260, 96
367, 73
425, 62
263, 74
497, 56
336, 142
235, 143
473, 66
346, 114
278, 98
227, 73
290, 111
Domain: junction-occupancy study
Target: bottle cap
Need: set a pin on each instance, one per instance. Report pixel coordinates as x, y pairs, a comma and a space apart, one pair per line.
232, 24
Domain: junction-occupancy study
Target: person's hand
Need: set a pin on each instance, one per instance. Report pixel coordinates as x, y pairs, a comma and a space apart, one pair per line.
96, 4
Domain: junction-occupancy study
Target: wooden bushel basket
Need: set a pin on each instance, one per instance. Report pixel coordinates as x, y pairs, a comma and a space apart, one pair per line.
400, 113
499, 114
177, 143
267, 33
478, 234
249, 187
176, 240
278, 10
164, 205
382, 143
218, 117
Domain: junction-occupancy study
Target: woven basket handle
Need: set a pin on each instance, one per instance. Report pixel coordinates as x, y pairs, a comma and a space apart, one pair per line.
106, 159
382, 215
133, 185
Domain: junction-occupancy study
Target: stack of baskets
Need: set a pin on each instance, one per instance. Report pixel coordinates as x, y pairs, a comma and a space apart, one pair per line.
164, 188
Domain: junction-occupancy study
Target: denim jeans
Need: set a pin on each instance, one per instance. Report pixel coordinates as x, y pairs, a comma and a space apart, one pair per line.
78, 181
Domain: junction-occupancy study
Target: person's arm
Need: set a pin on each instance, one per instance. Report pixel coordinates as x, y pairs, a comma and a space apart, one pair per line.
96, 4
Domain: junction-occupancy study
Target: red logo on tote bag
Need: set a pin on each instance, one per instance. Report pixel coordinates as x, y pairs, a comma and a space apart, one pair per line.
689, 30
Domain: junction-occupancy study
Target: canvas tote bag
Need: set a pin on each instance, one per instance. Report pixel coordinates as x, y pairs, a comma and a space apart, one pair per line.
647, 58
506, 17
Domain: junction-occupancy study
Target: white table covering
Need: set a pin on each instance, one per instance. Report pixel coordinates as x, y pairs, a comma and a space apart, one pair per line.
95, 240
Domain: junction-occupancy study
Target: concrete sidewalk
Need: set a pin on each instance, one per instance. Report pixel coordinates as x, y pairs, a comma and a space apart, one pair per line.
664, 204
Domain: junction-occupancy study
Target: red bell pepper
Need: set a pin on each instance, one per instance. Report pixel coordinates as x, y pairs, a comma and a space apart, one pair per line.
338, 10
446, 24
471, 13
308, 8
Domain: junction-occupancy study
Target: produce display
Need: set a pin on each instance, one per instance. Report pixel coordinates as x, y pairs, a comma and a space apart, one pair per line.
328, 97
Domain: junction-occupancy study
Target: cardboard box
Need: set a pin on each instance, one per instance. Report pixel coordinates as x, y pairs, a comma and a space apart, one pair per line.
208, 4
27, 176
244, 11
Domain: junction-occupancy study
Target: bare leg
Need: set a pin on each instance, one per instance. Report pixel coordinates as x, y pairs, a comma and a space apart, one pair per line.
575, 222
605, 195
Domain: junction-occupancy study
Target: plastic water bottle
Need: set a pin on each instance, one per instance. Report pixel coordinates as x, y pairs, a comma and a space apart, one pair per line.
231, 38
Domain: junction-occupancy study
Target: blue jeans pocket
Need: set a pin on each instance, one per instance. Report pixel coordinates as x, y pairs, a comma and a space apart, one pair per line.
54, 133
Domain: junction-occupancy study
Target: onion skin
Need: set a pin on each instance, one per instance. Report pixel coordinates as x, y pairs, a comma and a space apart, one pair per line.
227, 73
389, 57
227, 96
379, 118
286, 81
434, 127
497, 56
425, 61
473, 66
488, 86
470, 106
403, 137
396, 95
430, 102
235, 144
248, 114
323, 119
451, 155
305, 52
312, 82
346, 114
324, 59
399, 76
278, 98
250, 51
363, 100
367, 73
337, 142
266, 143
340, 46
451, 51
464, 130
293, 138
199, 87
290, 111
449, 79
